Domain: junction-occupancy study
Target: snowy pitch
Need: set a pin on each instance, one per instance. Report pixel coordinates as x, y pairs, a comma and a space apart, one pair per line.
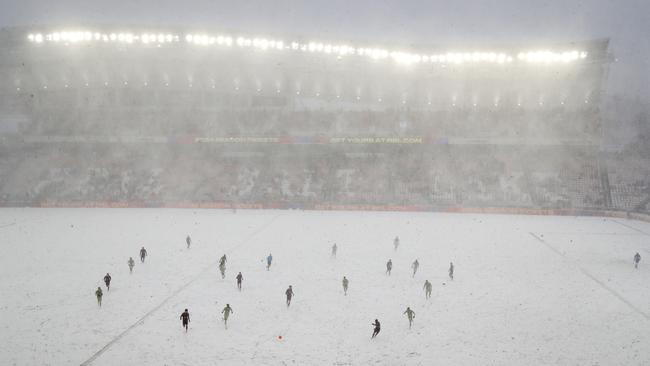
528, 290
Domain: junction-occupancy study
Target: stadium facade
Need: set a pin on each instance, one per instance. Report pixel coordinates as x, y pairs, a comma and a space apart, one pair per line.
150, 117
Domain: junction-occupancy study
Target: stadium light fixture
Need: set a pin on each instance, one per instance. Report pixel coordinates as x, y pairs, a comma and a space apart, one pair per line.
338, 50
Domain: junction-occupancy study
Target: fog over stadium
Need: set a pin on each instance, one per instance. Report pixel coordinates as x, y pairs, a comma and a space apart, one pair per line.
497, 154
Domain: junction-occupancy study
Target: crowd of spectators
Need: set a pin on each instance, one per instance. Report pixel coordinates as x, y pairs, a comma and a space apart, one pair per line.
449, 176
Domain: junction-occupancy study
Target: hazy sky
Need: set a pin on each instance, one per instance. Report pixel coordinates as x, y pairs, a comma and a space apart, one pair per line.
441, 22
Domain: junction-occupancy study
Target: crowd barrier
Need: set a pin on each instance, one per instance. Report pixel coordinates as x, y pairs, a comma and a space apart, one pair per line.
640, 216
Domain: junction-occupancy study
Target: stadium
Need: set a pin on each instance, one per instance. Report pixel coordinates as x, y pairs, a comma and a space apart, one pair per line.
126, 136
422, 128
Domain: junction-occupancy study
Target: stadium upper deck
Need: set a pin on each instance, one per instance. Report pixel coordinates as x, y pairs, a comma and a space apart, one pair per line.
54, 76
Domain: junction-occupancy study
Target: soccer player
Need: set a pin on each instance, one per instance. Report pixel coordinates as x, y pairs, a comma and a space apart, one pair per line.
188, 240
131, 264
226, 313
637, 259
396, 242
269, 259
143, 254
451, 270
334, 248
345, 286
410, 314
415, 266
389, 266
107, 281
185, 318
239, 278
99, 295
289, 294
427, 289
377, 328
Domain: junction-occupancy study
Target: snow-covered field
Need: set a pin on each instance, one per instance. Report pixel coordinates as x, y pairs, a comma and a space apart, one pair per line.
527, 290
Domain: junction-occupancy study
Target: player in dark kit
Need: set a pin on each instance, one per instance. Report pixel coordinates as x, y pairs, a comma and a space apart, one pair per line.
107, 281
289, 294
377, 328
637, 259
389, 266
239, 278
143, 254
188, 240
334, 248
185, 317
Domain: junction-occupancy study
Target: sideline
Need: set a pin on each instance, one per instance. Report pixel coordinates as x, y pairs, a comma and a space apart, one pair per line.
599, 282
179, 290
630, 227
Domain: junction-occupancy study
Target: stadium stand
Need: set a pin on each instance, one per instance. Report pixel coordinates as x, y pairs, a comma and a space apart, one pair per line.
174, 117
